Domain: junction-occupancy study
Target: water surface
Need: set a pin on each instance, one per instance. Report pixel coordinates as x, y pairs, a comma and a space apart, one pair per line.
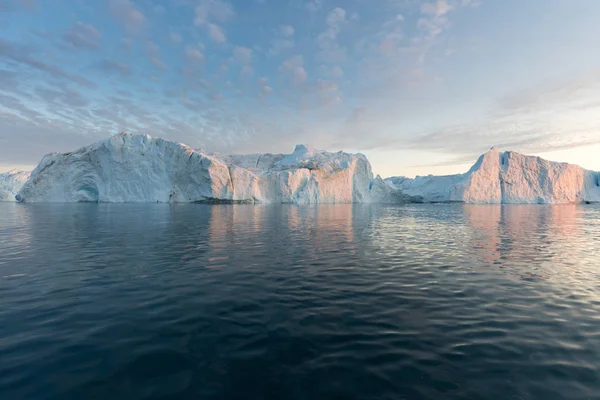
296, 302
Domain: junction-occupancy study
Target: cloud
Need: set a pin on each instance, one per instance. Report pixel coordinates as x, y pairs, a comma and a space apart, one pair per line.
127, 42
125, 12
292, 62
27, 141
539, 120
299, 75
246, 71
437, 9
22, 55
334, 21
265, 89
279, 46
243, 55
13, 103
333, 81
215, 32
63, 124
209, 14
282, 41
153, 53
175, 38
293, 67
433, 22
7, 77
286, 30
213, 10
329, 93
194, 55
29, 5
113, 67
83, 36
314, 5
334, 72
64, 95
331, 51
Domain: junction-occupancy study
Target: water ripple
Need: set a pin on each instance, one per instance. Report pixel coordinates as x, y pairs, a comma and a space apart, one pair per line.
327, 302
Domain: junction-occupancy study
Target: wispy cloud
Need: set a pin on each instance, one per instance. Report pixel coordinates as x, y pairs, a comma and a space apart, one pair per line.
282, 41
153, 53
538, 120
82, 35
399, 74
314, 5
194, 55
175, 37
331, 51
24, 55
242, 54
131, 17
210, 14
112, 67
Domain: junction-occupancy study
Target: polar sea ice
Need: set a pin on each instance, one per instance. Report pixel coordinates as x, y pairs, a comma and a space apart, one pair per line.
139, 168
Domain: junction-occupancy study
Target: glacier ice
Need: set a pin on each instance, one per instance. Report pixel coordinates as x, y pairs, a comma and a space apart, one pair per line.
139, 168
507, 178
10, 184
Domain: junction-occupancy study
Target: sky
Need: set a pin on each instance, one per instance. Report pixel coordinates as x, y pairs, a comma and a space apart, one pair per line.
418, 86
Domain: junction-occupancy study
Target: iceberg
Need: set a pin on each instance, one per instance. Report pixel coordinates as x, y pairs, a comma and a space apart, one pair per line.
10, 184
139, 168
507, 178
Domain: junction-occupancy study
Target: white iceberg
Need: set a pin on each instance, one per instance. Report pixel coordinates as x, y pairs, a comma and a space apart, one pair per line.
507, 178
139, 168
11, 182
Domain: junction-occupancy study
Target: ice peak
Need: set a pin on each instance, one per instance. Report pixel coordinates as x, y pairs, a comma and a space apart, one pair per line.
137, 168
303, 149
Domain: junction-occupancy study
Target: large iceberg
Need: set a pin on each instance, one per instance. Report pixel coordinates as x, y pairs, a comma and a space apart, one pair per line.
139, 168
10, 184
507, 178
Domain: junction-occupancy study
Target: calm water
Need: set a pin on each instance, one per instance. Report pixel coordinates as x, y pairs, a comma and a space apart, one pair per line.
288, 302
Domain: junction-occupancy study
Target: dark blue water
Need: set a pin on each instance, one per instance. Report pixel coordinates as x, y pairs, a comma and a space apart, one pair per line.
288, 302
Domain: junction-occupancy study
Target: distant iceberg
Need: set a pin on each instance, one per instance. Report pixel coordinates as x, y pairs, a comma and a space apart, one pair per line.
507, 178
10, 184
139, 168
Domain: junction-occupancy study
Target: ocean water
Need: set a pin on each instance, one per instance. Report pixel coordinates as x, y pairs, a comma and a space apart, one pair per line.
297, 302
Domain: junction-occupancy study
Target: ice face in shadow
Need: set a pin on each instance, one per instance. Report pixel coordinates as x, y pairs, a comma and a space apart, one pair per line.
10, 184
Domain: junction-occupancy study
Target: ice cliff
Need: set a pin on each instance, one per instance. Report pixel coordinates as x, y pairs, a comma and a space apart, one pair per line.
10, 184
507, 178
139, 168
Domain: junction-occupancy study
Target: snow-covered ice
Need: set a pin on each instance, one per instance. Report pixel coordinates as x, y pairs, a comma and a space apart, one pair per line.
10, 184
139, 168
507, 178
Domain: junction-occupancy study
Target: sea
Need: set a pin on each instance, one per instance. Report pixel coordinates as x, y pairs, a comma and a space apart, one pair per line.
184, 301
